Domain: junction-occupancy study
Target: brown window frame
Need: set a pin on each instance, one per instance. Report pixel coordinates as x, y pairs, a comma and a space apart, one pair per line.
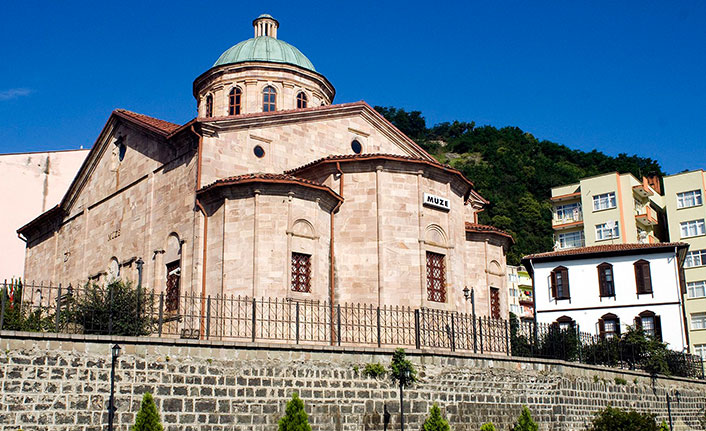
565, 319
656, 321
436, 277
302, 100
563, 273
172, 287
269, 99
234, 99
606, 288
209, 106
643, 277
301, 272
601, 325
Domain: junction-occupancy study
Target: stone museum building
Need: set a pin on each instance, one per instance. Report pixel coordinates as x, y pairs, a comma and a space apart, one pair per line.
272, 191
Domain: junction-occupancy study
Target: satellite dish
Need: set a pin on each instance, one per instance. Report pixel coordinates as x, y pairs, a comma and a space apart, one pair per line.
610, 224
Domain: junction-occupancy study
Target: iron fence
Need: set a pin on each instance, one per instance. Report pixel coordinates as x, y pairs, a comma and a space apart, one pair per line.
118, 309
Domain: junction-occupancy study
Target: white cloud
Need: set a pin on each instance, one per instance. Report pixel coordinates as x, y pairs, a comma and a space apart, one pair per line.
14, 93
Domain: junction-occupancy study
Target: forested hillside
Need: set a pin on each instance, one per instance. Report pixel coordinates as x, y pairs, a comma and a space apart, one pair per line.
513, 170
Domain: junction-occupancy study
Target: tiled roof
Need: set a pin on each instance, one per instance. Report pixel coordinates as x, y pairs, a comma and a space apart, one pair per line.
484, 228
377, 156
268, 178
164, 127
608, 248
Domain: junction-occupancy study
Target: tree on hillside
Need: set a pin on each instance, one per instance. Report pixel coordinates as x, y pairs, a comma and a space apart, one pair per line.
513, 170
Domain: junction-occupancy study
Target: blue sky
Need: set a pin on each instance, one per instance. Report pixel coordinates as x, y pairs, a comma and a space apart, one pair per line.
615, 76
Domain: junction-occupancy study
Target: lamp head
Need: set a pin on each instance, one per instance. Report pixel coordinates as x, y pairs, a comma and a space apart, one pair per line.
466, 293
115, 350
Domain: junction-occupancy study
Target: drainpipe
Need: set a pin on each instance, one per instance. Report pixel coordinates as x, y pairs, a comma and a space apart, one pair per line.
332, 281
199, 152
683, 322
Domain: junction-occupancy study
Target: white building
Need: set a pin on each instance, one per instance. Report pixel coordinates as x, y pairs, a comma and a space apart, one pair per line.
605, 288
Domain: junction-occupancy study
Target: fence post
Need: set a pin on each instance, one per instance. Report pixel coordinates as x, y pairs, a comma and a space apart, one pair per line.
702, 368
453, 333
2, 304
579, 343
507, 339
161, 312
208, 317
58, 309
296, 314
475, 338
254, 309
480, 329
417, 341
378, 322
110, 309
338, 322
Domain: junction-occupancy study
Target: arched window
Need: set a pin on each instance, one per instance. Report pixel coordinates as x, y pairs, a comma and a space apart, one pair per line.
643, 278
606, 283
209, 106
560, 283
609, 326
301, 100
565, 323
269, 97
650, 323
234, 101
173, 264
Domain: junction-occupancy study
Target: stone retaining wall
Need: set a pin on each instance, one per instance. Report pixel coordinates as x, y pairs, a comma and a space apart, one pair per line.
55, 383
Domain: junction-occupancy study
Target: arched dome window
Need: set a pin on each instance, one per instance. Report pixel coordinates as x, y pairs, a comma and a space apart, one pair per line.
234, 101
209, 106
301, 100
269, 95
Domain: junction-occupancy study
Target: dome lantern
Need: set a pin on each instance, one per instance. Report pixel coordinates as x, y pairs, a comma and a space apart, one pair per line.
265, 25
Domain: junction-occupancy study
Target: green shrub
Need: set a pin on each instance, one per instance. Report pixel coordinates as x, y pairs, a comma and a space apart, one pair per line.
295, 418
525, 422
401, 369
664, 426
24, 316
620, 381
487, 427
435, 422
147, 418
111, 309
374, 370
612, 419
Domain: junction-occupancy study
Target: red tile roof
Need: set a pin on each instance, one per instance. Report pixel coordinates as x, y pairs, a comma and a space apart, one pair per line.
378, 156
607, 248
160, 126
484, 228
269, 178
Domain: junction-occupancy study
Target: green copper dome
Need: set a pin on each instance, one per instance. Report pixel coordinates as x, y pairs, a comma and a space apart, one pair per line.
265, 48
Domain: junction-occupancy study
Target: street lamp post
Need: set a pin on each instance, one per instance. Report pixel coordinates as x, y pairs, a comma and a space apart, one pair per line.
470, 294
406, 377
669, 408
115, 353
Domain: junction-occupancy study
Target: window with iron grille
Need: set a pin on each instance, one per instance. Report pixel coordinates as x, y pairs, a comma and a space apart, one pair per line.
436, 277
301, 272
173, 282
494, 302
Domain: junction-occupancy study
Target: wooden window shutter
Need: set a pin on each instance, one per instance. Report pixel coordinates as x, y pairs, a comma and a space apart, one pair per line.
658, 328
601, 280
553, 284
638, 322
565, 282
601, 328
646, 278
617, 327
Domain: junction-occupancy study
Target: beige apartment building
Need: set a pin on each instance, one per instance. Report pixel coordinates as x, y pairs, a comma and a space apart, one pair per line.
684, 201
520, 299
609, 208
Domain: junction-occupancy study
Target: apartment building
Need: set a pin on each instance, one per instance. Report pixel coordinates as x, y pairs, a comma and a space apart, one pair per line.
609, 208
520, 300
684, 201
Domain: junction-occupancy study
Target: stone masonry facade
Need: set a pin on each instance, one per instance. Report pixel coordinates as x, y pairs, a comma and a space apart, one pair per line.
62, 383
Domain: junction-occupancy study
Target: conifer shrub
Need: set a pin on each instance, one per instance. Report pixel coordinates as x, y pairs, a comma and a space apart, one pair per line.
525, 421
435, 422
295, 417
612, 419
147, 418
402, 370
487, 427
